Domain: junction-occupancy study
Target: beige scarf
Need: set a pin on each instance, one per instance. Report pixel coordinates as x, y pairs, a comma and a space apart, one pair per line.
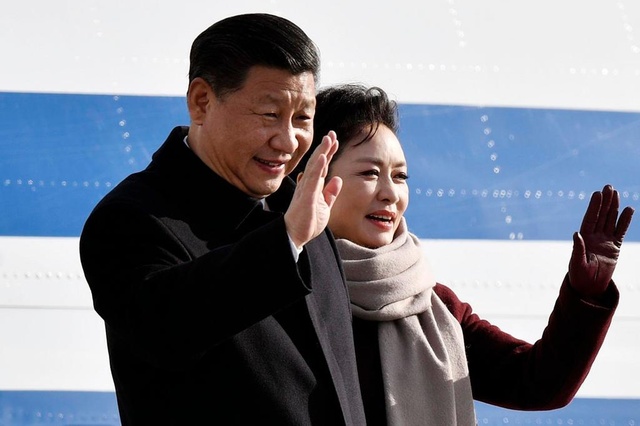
424, 366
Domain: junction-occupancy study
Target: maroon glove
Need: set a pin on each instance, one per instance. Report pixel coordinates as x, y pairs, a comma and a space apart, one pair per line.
597, 246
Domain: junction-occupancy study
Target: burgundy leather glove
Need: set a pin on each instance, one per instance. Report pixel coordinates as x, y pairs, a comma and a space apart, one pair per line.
597, 246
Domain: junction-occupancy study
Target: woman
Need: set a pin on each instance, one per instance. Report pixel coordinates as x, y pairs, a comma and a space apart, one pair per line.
422, 354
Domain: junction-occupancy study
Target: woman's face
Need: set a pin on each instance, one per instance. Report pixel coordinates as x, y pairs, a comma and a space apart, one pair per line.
374, 193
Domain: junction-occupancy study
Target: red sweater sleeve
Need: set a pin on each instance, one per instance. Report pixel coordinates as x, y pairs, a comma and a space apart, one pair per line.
512, 373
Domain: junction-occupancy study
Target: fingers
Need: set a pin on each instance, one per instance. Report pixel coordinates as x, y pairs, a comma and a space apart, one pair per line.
623, 223
578, 262
607, 196
334, 144
328, 146
590, 220
317, 167
608, 210
317, 162
602, 214
309, 210
316, 171
332, 190
579, 253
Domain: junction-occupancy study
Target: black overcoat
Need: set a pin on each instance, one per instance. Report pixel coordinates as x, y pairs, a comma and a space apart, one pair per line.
209, 319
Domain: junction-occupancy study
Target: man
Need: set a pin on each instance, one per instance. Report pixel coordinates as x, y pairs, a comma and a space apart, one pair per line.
222, 292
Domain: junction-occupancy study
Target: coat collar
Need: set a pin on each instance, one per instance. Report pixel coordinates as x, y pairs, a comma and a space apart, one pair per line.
202, 191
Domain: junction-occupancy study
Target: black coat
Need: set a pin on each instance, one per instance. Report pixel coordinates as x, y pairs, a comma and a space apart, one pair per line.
209, 320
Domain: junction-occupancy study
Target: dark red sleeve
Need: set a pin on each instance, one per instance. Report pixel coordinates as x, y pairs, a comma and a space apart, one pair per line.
511, 373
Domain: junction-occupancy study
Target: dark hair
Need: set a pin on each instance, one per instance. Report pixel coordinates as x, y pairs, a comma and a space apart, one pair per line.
350, 110
223, 53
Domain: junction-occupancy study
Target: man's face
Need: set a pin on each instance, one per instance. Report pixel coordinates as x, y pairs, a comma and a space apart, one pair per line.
255, 136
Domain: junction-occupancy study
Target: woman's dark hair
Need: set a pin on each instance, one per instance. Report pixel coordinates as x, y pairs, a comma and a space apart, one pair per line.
350, 110
223, 53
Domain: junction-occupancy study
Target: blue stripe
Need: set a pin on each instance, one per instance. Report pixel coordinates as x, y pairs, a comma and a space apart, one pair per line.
581, 411
511, 173
477, 173
31, 408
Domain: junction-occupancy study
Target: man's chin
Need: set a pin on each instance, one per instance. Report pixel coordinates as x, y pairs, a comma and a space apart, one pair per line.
270, 186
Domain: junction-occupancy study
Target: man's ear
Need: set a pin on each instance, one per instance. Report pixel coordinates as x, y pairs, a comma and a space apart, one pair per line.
198, 98
299, 177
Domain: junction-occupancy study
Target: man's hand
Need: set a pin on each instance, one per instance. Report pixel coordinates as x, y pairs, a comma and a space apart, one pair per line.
597, 246
310, 208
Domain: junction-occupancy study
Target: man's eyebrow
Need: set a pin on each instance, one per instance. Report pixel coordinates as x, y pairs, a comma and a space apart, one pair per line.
274, 98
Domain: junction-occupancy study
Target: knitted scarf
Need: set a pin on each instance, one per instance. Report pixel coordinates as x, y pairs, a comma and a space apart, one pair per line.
424, 366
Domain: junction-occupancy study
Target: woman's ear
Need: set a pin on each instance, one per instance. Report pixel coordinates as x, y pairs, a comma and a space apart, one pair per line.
198, 97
